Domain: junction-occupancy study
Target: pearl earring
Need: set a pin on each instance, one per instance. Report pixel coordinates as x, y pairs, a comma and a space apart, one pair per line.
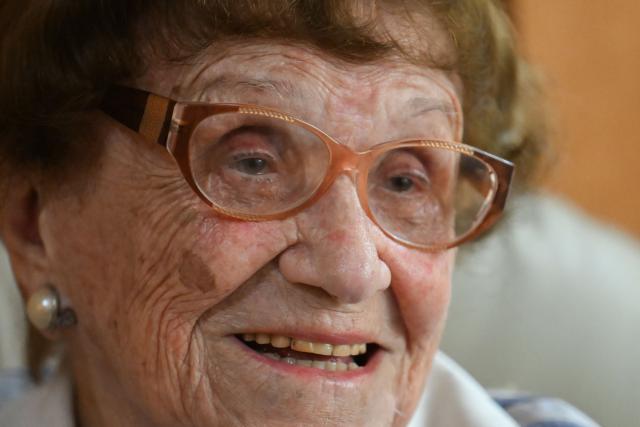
45, 312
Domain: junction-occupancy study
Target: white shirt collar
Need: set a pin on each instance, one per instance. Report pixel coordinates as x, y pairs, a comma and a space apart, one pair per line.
453, 398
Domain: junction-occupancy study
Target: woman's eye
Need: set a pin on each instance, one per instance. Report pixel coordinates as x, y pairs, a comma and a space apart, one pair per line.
406, 182
401, 183
252, 165
403, 171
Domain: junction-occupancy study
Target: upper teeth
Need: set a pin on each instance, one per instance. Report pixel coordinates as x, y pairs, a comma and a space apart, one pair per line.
324, 349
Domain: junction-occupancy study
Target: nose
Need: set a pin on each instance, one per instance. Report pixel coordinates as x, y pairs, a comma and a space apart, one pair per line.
337, 247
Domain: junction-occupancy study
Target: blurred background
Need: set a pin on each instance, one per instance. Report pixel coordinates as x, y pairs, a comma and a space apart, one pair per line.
550, 302
588, 53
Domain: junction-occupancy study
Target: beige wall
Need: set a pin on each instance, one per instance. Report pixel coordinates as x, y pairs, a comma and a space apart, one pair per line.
589, 53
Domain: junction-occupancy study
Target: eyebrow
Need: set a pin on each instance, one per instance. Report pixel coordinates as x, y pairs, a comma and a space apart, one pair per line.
416, 106
224, 83
421, 105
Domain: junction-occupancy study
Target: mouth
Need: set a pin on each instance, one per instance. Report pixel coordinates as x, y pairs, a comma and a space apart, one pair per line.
315, 355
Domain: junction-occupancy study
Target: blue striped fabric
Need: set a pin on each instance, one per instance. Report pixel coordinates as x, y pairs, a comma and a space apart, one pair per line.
539, 411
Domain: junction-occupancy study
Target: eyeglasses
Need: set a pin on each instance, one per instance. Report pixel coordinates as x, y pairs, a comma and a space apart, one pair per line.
254, 163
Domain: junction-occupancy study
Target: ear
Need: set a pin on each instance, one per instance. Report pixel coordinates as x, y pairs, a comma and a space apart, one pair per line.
20, 230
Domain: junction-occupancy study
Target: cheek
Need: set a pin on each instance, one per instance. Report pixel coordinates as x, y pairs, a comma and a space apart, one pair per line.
208, 264
227, 253
421, 285
142, 291
195, 272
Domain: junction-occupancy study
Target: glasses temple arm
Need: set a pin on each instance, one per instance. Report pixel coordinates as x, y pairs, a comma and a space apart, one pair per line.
143, 112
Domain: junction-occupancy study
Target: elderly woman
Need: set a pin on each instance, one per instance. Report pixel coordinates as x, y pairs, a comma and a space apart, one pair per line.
245, 212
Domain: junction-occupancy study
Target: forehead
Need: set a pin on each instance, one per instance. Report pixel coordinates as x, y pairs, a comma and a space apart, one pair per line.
310, 83
269, 58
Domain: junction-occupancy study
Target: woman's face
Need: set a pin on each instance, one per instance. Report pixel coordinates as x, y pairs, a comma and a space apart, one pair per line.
164, 288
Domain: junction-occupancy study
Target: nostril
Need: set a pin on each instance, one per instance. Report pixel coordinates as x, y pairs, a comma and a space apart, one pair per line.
352, 281
351, 293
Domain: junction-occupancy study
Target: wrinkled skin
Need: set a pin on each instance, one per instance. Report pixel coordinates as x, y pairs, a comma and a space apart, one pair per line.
161, 284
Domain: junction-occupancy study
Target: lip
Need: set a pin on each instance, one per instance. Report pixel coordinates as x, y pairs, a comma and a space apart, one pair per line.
309, 373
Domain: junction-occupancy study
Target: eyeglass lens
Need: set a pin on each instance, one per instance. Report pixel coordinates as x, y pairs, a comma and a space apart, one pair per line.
256, 165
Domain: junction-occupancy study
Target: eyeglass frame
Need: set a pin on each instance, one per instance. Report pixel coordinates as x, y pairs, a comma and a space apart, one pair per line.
170, 123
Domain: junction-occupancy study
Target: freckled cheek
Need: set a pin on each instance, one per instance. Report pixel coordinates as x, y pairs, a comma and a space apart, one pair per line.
211, 263
227, 253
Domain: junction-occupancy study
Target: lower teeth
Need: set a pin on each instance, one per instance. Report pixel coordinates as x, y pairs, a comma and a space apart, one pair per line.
318, 364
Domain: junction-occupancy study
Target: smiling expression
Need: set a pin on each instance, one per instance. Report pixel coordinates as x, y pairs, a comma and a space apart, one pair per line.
187, 318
